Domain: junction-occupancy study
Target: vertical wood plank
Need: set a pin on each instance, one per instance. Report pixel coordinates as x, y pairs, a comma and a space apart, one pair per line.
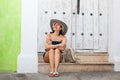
88, 40
44, 25
80, 26
73, 23
95, 25
103, 25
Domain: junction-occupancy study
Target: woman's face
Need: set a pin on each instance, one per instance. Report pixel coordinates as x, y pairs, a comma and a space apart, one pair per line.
56, 27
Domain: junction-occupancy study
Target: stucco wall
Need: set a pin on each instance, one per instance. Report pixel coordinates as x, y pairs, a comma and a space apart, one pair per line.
114, 35
10, 11
117, 34
28, 60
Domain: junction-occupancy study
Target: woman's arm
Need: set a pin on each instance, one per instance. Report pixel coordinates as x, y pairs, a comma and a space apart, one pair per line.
62, 46
48, 44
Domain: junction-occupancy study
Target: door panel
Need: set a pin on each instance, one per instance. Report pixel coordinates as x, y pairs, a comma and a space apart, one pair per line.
87, 25
92, 26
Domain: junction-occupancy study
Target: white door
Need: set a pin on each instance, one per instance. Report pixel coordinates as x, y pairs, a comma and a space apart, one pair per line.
87, 22
91, 28
52, 9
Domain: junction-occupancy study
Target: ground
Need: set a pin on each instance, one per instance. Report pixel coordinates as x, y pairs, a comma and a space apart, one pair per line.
63, 76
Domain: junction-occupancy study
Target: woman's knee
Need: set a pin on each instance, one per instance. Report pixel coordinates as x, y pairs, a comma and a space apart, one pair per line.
51, 51
57, 50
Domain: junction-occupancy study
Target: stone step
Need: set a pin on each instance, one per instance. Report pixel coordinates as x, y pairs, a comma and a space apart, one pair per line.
78, 67
85, 62
92, 57
40, 57
84, 57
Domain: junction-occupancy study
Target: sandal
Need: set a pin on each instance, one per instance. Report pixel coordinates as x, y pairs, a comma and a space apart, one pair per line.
51, 74
56, 74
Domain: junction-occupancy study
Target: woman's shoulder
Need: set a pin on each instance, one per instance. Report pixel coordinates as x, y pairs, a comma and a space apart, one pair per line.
48, 35
63, 36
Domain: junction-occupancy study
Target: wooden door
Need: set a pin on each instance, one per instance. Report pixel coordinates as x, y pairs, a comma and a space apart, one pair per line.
87, 22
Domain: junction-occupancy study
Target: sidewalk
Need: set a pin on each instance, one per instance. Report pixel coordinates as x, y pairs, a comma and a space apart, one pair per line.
63, 76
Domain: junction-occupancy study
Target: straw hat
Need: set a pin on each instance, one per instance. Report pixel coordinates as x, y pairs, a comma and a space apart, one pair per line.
64, 26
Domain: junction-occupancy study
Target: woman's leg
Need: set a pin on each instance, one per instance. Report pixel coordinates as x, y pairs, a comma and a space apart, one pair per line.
52, 59
46, 57
58, 59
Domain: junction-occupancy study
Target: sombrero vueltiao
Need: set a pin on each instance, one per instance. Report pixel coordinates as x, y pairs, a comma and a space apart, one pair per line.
64, 26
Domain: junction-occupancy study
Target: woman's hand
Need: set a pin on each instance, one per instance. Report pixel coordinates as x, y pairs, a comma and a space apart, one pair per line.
61, 45
55, 46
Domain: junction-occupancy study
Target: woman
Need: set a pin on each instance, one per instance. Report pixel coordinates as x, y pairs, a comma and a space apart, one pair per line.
55, 45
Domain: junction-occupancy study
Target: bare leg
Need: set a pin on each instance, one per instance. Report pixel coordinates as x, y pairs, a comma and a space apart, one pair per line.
46, 57
57, 59
52, 60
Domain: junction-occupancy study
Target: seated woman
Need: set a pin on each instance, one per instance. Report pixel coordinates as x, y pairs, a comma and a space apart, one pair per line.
55, 45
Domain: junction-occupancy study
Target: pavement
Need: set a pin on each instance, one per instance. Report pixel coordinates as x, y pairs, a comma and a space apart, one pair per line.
63, 76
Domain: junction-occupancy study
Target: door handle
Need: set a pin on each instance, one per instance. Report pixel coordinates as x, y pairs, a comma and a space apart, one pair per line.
78, 6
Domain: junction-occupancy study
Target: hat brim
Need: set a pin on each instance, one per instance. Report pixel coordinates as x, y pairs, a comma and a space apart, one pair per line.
64, 26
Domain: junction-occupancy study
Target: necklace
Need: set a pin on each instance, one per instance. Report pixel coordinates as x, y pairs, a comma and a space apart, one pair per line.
56, 37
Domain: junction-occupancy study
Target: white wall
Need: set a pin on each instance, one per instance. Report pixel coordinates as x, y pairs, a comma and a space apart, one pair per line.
114, 36
117, 34
28, 60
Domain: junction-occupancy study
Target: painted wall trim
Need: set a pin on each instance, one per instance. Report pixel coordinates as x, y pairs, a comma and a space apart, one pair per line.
116, 35
27, 59
114, 43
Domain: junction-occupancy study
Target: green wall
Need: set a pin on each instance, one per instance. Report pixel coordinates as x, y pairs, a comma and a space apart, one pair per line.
10, 22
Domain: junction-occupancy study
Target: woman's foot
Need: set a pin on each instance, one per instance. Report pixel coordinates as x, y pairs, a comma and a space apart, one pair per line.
51, 74
56, 74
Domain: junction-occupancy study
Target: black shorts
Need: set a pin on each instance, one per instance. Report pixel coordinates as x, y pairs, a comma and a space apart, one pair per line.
44, 54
